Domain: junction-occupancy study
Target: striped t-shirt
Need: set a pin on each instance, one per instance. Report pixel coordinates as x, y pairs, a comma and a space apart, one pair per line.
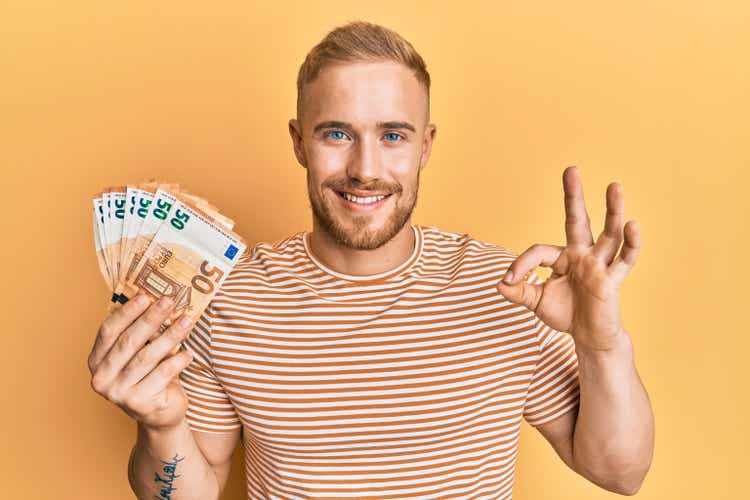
406, 384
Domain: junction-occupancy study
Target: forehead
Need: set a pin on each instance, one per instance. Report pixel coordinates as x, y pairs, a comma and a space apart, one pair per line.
365, 93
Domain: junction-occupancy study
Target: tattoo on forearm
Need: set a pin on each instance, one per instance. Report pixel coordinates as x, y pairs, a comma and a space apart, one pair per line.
169, 471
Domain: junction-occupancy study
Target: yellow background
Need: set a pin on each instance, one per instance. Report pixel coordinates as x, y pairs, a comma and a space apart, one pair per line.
651, 94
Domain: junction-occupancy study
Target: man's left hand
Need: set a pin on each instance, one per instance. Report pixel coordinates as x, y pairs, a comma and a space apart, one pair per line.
582, 294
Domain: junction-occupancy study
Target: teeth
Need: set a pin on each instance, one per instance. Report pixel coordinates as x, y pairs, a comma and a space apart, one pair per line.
363, 201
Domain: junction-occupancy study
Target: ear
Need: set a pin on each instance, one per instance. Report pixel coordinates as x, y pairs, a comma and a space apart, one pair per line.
295, 131
429, 137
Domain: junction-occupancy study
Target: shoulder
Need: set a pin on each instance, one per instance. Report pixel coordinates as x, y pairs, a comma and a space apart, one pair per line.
464, 247
279, 249
257, 262
463, 251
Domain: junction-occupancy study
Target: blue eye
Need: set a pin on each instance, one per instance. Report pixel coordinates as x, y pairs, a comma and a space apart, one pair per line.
394, 135
331, 132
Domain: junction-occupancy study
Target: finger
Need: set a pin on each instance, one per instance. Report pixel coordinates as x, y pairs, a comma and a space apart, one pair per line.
533, 257
577, 222
162, 375
609, 240
134, 338
147, 358
620, 268
523, 293
113, 325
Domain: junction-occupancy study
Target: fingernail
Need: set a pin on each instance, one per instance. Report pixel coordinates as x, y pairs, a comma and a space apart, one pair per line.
164, 303
141, 299
508, 277
185, 321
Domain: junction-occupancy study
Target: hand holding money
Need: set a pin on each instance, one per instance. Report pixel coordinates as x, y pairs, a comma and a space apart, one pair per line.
135, 377
163, 253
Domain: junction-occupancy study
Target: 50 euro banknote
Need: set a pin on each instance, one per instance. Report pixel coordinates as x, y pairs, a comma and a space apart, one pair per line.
187, 260
145, 220
167, 243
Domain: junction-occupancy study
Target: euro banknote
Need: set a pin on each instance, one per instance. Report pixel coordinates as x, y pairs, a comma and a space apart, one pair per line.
156, 238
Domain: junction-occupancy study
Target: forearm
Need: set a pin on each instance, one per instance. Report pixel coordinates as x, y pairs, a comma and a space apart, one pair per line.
613, 441
169, 464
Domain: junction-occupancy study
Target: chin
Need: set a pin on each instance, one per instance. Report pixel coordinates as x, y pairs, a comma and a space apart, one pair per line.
367, 237
361, 231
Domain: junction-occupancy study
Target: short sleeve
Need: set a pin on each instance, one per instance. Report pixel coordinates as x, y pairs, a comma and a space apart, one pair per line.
209, 407
554, 388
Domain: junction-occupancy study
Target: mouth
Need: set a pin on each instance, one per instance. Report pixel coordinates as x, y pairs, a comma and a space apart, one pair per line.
362, 203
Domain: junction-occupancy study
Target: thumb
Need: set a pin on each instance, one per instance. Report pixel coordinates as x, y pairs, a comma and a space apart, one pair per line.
523, 293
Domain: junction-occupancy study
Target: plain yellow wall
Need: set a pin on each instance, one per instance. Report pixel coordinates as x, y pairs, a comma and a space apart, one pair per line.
651, 94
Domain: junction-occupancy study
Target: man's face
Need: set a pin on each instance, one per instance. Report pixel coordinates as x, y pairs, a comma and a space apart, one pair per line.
363, 130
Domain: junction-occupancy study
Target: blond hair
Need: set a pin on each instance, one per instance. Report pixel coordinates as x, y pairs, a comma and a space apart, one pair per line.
361, 41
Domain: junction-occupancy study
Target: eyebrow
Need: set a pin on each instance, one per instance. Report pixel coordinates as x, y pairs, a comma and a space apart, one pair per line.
348, 126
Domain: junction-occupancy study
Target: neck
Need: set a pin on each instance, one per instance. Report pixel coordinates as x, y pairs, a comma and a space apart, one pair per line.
362, 262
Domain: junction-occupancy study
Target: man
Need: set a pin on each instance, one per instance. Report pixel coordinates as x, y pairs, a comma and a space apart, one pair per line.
373, 358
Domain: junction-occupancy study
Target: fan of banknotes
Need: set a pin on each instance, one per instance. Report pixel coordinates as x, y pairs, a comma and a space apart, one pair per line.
158, 238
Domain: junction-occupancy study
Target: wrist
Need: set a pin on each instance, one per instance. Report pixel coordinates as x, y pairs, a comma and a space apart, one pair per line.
615, 345
614, 361
162, 431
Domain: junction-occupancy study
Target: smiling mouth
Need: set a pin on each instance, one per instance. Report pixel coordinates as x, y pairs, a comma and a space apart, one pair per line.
362, 200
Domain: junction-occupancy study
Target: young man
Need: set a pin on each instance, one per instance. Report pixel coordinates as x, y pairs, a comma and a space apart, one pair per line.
373, 358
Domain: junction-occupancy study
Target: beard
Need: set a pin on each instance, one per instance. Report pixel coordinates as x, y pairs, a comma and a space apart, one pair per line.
356, 231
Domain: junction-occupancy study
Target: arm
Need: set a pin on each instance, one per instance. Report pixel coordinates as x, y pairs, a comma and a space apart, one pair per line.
141, 378
611, 442
180, 464
610, 439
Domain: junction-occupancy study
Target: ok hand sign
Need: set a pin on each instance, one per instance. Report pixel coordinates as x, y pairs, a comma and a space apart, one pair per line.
582, 294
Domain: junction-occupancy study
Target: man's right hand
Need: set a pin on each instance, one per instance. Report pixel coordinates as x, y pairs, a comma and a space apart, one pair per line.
139, 377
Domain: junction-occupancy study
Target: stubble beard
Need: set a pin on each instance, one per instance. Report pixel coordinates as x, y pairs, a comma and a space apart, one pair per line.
356, 232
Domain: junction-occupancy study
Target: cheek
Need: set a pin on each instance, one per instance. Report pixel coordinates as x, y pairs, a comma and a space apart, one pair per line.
405, 169
326, 162
402, 160
322, 149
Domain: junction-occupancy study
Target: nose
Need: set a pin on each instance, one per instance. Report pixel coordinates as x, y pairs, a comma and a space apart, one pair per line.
364, 163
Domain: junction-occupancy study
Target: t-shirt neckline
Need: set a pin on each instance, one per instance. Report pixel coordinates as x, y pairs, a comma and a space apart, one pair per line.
401, 268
